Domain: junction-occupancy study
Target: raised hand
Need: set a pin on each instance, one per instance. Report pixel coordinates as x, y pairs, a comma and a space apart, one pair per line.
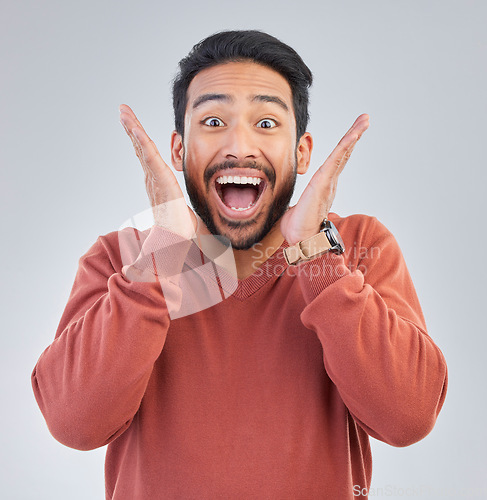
303, 219
165, 194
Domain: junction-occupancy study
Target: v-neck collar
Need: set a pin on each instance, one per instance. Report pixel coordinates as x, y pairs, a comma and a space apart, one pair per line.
228, 283
273, 267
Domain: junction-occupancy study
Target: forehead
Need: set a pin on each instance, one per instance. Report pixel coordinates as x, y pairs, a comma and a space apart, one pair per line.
239, 80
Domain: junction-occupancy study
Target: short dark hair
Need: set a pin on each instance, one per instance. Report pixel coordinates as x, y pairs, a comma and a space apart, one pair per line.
238, 46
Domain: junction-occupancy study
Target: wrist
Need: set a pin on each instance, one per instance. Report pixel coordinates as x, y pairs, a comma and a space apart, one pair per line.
175, 216
326, 240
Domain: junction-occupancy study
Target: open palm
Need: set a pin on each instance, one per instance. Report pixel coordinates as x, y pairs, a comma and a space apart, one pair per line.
303, 219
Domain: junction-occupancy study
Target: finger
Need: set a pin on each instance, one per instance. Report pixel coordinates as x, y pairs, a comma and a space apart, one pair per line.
150, 153
355, 132
128, 120
363, 117
129, 127
127, 112
160, 183
338, 158
145, 149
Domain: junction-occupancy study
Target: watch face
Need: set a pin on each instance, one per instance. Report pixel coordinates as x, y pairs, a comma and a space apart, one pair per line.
334, 236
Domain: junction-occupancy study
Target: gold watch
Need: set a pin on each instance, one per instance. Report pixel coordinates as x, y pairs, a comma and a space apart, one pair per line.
327, 240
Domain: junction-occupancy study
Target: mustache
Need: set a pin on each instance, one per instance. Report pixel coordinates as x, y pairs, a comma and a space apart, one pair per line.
228, 164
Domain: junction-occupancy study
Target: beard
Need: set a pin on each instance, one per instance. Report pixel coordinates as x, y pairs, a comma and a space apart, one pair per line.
242, 234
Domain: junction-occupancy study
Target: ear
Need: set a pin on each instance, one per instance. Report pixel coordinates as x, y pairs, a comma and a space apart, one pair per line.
177, 151
303, 152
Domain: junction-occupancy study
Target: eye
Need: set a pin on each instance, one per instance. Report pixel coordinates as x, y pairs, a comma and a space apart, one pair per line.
213, 122
266, 123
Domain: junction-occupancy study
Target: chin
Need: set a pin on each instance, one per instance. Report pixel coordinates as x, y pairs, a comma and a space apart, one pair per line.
244, 242
242, 235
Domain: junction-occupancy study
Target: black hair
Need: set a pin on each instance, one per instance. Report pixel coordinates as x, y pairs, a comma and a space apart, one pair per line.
245, 45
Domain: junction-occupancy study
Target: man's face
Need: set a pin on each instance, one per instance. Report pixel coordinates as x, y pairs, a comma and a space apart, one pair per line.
239, 154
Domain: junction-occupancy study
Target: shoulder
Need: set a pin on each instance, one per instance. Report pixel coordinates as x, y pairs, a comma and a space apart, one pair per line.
369, 247
360, 228
366, 241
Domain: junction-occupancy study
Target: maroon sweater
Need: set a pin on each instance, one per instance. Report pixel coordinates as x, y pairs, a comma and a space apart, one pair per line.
270, 394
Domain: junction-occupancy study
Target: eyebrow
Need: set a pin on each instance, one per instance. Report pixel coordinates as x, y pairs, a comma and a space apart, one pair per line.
226, 97
271, 98
210, 97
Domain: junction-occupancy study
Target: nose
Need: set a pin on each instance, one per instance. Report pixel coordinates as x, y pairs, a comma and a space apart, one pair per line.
240, 144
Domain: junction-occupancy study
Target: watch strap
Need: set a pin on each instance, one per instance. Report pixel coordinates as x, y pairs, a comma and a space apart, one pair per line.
307, 249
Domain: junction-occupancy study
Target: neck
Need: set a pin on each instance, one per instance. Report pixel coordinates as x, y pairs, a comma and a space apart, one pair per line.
248, 261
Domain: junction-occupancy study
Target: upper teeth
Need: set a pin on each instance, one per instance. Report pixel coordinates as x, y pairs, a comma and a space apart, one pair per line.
236, 179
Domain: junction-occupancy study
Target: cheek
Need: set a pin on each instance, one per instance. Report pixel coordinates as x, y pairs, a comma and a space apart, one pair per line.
199, 152
284, 165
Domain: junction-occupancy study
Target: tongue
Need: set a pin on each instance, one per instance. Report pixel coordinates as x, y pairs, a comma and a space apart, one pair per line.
238, 197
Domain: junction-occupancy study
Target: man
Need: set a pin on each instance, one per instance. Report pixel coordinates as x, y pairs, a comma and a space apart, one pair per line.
272, 389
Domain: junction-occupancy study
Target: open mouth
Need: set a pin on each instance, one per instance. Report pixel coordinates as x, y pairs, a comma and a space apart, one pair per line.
239, 193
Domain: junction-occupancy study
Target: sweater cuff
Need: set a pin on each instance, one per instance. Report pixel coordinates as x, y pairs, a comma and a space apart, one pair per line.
160, 254
191, 278
317, 274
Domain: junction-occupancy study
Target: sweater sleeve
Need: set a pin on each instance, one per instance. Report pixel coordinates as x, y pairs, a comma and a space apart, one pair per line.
90, 381
365, 311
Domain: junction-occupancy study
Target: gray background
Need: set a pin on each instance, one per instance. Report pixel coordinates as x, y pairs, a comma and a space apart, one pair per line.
68, 174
